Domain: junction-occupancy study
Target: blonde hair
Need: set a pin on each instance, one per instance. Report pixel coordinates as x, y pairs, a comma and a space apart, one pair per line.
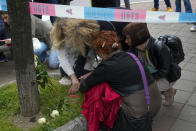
74, 31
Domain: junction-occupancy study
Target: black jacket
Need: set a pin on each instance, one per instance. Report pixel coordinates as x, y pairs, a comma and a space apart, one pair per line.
160, 57
121, 72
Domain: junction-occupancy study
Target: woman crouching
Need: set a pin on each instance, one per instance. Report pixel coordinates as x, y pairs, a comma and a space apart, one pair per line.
122, 73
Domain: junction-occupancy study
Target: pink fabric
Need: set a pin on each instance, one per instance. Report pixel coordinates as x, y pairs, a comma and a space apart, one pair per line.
101, 104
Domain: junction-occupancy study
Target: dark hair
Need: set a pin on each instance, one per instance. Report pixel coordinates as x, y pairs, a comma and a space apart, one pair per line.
138, 32
7, 27
106, 42
3, 12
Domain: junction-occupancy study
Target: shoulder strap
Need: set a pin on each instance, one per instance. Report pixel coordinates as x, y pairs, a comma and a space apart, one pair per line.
143, 78
112, 25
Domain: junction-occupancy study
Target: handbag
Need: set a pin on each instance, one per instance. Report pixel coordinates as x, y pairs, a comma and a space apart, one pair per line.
127, 123
145, 123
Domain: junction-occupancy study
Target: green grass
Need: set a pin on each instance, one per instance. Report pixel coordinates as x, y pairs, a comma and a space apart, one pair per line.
56, 98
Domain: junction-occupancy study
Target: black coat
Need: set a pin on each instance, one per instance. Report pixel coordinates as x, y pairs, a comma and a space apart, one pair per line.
121, 72
160, 57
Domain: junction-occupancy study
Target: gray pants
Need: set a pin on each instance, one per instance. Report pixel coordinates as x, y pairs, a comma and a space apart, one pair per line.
164, 85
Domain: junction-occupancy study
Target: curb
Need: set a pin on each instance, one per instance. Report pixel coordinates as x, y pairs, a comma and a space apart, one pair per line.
78, 124
53, 75
7, 83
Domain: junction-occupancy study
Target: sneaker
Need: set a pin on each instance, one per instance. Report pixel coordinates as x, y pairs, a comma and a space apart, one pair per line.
169, 97
169, 9
193, 28
65, 81
154, 9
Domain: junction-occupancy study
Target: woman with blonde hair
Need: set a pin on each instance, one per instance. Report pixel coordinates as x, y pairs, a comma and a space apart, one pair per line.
72, 38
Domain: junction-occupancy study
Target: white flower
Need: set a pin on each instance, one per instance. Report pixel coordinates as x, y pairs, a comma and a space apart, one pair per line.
54, 113
41, 120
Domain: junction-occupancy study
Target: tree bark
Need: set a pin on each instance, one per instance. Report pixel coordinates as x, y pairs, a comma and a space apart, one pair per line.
20, 28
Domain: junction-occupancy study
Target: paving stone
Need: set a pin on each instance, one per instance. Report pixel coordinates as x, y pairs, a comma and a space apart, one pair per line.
192, 100
189, 45
187, 75
182, 34
181, 125
163, 124
190, 67
189, 114
172, 111
185, 85
193, 60
191, 40
182, 64
187, 58
181, 96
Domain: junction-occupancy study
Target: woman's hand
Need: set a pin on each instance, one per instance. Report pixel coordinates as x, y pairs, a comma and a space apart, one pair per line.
85, 76
75, 84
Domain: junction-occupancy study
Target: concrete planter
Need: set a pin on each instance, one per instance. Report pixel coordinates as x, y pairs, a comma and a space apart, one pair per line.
78, 124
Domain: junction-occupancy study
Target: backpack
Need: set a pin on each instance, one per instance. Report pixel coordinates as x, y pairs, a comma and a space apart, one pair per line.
176, 50
175, 45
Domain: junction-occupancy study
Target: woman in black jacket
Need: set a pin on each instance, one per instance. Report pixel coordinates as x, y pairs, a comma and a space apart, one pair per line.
156, 55
122, 73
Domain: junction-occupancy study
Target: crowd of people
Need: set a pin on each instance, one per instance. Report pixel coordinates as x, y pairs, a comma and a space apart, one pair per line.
133, 64
117, 68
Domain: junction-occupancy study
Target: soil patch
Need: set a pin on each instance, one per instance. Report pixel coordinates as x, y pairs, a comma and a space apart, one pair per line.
26, 123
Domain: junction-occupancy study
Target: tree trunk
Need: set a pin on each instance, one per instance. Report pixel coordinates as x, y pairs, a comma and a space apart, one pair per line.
20, 28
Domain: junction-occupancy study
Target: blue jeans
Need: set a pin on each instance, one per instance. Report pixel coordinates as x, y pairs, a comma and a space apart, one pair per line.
156, 3
40, 50
53, 60
187, 5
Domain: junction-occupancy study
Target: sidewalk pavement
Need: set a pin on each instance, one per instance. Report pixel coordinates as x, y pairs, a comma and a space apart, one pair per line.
182, 115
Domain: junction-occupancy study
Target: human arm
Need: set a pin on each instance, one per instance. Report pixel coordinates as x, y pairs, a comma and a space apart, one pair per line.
163, 57
85, 76
94, 78
75, 84
65, 63
99, 75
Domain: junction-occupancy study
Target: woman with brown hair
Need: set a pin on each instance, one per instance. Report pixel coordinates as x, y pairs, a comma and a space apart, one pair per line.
155, 54
122, 73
